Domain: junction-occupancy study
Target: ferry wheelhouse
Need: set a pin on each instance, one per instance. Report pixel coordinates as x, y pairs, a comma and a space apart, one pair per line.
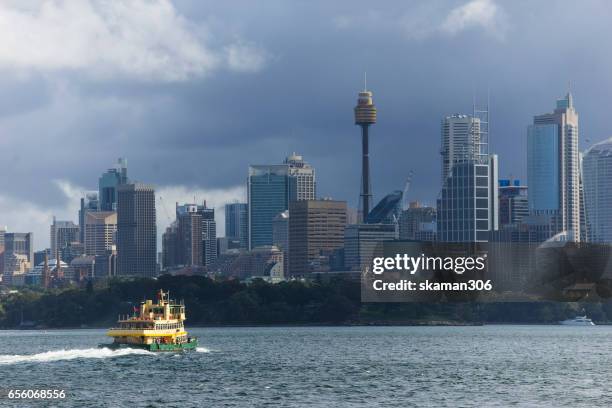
154, 327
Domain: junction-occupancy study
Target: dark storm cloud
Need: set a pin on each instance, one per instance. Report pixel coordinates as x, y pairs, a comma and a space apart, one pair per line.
283, 77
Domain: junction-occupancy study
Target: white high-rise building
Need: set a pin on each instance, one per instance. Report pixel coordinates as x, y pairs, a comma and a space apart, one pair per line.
597, 178
460, 140
304, 174
553, 168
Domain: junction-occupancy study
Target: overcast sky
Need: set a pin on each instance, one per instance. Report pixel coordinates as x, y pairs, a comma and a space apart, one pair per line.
192, 92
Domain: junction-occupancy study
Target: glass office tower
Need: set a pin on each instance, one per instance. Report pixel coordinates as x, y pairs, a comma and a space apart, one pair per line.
270, 188
597, 176
108, 184
543, 168
553, 169
236, 223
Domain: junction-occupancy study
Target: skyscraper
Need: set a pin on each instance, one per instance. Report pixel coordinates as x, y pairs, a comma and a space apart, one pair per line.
171, 253
460, 140
418, 223
237, 223
362, 242
21, 243
100, 229
209, 235
513, 206
463, 206
89, 203
316, 229
189, 235
207, 228
270, 189
62, 235
136, 230
553, 168
305, 177
108, 184
18, 253
597, 174
467, 208
365, 115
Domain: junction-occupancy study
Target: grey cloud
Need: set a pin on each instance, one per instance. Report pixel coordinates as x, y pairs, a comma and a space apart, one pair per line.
203, 132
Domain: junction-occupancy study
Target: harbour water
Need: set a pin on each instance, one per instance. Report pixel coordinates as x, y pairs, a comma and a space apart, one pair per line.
321, 367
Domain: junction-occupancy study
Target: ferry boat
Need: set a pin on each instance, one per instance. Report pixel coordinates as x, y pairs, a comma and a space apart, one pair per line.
578, 321
153, 327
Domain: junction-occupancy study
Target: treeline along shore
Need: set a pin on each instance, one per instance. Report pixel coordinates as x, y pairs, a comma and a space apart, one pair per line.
230, 302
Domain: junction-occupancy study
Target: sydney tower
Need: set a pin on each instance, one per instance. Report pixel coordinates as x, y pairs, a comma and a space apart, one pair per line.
365, 115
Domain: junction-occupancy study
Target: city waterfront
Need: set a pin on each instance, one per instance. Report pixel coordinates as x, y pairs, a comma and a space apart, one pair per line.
321, 366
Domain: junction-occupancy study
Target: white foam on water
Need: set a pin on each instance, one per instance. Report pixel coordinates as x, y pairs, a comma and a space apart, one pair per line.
62, 355
203, 350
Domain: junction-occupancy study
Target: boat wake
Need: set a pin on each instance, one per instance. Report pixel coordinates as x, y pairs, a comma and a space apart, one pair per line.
203, 350
63, 355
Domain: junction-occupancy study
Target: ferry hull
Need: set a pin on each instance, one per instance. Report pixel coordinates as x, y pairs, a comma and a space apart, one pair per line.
154, 347
571, 322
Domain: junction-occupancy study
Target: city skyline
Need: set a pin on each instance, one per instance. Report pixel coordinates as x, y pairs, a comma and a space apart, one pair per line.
90, 114
221, 214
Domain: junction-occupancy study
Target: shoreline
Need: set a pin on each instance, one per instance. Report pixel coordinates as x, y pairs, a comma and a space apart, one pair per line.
374, 324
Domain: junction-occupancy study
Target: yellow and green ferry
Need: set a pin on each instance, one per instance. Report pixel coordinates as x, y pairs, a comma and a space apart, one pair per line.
154, 327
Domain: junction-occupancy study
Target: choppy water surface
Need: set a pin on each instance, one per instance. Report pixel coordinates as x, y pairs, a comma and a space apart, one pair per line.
322, 366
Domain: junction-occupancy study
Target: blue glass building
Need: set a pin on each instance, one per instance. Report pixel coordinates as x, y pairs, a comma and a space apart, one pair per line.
270, 189
543, 168
108, 183
553, 170
236, 223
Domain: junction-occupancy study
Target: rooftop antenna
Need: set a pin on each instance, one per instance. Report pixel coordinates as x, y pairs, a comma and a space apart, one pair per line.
365, 81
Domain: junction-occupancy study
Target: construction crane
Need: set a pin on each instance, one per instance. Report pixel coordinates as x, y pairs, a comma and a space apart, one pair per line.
405, 201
